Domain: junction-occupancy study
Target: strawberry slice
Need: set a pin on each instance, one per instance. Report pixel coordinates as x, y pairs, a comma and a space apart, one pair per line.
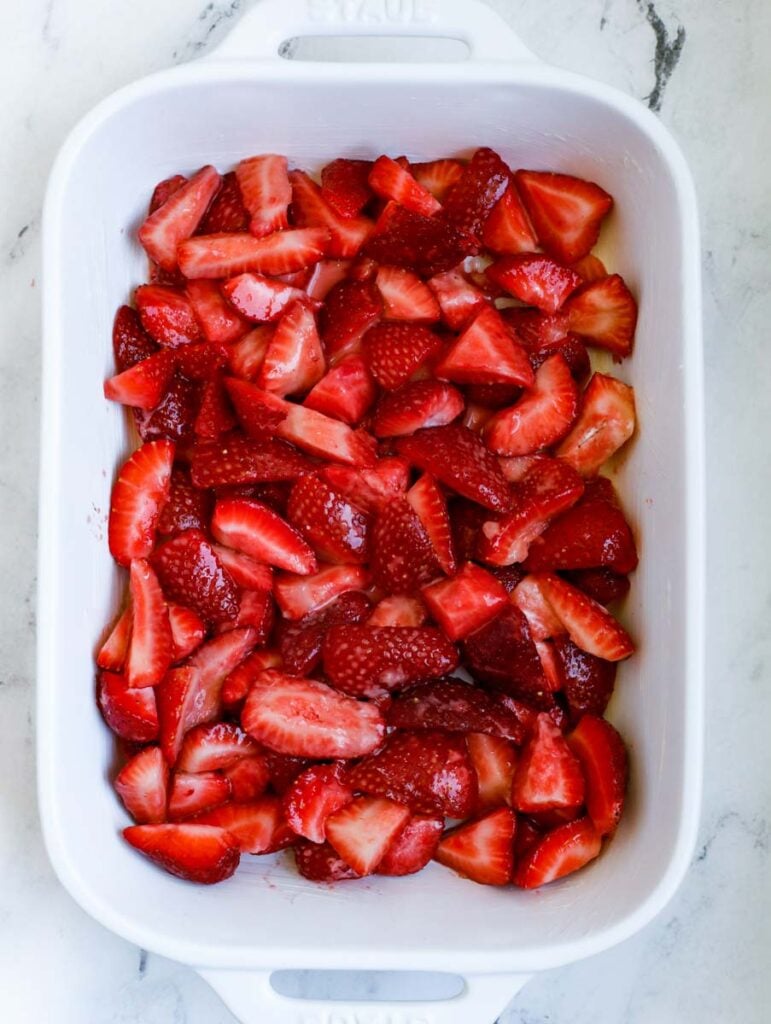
427, 245
215, 745
248, 778
604, 585
548, 775
237, 684
173, 419
487, 352
187, 508
605, 423
604, 313
601, 751
215, 414
258, 531
590, 626
548, 488
346, 392
454, 706
559, 853
246, 356
224, 255
416, 405
314, 795
167, 315
187, 631
255, 609
320, 862
390, 180
138, 496
265, 191
294, 360
494, 760
368, 661
398, 610
539, 419
258, 412
405, 296
142, 786
324, 276
466, 602
566, 212
306, 718
226, 211
456, 456
529, 597
178, 218
130, 343
362, 831
459, 300
470, 201
503, 653
130, 713
438, 176
335, 528
298, 596
534, 279
241, 460
395, 351
351, 308
218, 320
413, 848
508, 230
428, 502
258, 826
590, 268
197, 853
482, 850
370, 489
142, 385
402, 555
191, 574
345, 186
192, 794
112, 653
429, 771
201, 361
245, 572
346, 234
300, 642
151, 650
164, 190
260, 298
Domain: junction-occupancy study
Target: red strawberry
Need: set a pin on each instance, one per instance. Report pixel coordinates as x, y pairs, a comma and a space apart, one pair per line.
548, 775
413, 847
494, 760
112, 653
130, 713
258, 531
391, 181
590, 268
572, 350
605, 423
142, 385
438, 176
466, 601
300, 642
503, 653
241, 460
459, 300
454, 706
258, 412
178, 218
351, 308
368, 661
536, 330
201, 361
137, 498
258, 826
543, 416
237, 684
130, 343
313, 796
456, 456
305, 718
324, 276
566, 212
213, 746
193, 794
319, 862
486, 353
529, 597
246, 356
344, 186
508, 230
224, 255
470, 201
167, 315
510, 576
429, 771
398, 611
187, 631
227, 211
255, 609
402, 555
191, 574
370, 489
294, 360
173, 419
415, 405
604, 585
266, 192
405, 296
601, 751
245, 572
197, 853
466, 519
534, 279
428, 502
559, 853
346, 392
187, 508
260, 298
483, 399
363, 830
218, 321
395, 351
215, 415
336, 530
142, 786
427, 245
588, 624
482, 850
165, 190
298, 596
346, 234
248, 778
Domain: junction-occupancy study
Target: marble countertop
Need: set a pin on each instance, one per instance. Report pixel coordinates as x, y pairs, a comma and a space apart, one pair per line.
705, 69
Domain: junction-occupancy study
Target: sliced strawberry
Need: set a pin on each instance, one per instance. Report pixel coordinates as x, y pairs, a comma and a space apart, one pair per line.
216, 745
300, 642
305, 718
258, 412
142, 786
494, 760
508, 230
167, 315
363, 830
335, 528
314, 795
454, 706
227, 254
572, 350
130, 713
566, 212
191, 574
370, 489
391, 181
482, 850
294, 360
164, 190
466, 519
549, 487
503, 653
510, 576
395, 351
346, 234
470, 201
227, 211
245, 572
218, 320
483, 400
543, 416
368, 661
187, 508
258, 531
238, 682
605, 765
187, 631
130, 343
201, 361
459, 300
324, 276
487, 352
266, 192
427, 245
320, 862
255, 609
405, 296
398, 610
345, 186
559, 853
241, 460
590, 268
246, 356
248, 778
416, 405
346, 392
605, 423
150, 651
529, 597
534, 279
428, 502
588, 624
215, 414
413, 847
351, 308
604, 585
143, 385
260, 298
258, 826
192, 794
112, 653
456, 456
466, 602
298, 596
173, 419
537, 330
548, 774
178, 218
197, 853
438, 176
402, 555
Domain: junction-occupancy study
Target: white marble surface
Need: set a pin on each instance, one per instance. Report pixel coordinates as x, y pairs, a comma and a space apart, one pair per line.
707, 957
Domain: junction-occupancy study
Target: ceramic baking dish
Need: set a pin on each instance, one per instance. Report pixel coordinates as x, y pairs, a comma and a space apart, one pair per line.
244, 99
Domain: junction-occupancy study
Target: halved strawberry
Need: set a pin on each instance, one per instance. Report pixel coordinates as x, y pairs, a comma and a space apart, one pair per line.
201, 360
245, 572
588, 624
344, 186
178, 218
112, 653
604, 313
255, 609
534, 279
416, 405
459, 300
130, 713
346, 392
294, 360
197, 853
219, 321
590, 268
298, 596
370, 489
313, 796
324, 276
213, 746
227, 254
142, 786
164, 190
438, 176
430, 505
548, 774
466, 601
391, 181
495, 760
305, 718
266, 192
466, 519
346, 234
559, 853
503, 653
605, 423
368, 661
258, 531
187, 631
413, 847
226, 211
565, 211
300, 642
320, 862
150, 651
351, 308
215, 413
241, 460
191, 794
402, 555
237, 683
482, 850
470, 201
246, 356
405, 296
529, 598
398, 610
167, 315
454, 706
248, 778
604, 585
541, 417
395, 351
130, 342
601, 751
260, 298
427, 245
335, 528
363, 830
508, 230
258, 826
487, 352
191, 574
187, 507
143, 385
173, 419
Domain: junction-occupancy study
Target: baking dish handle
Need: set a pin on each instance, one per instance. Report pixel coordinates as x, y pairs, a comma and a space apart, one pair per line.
261, 31
250, 996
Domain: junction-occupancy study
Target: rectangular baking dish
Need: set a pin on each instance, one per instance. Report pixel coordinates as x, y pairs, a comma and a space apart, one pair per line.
245, 99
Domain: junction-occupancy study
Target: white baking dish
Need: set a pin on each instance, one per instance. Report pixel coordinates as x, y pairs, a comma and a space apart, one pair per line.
245, 99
